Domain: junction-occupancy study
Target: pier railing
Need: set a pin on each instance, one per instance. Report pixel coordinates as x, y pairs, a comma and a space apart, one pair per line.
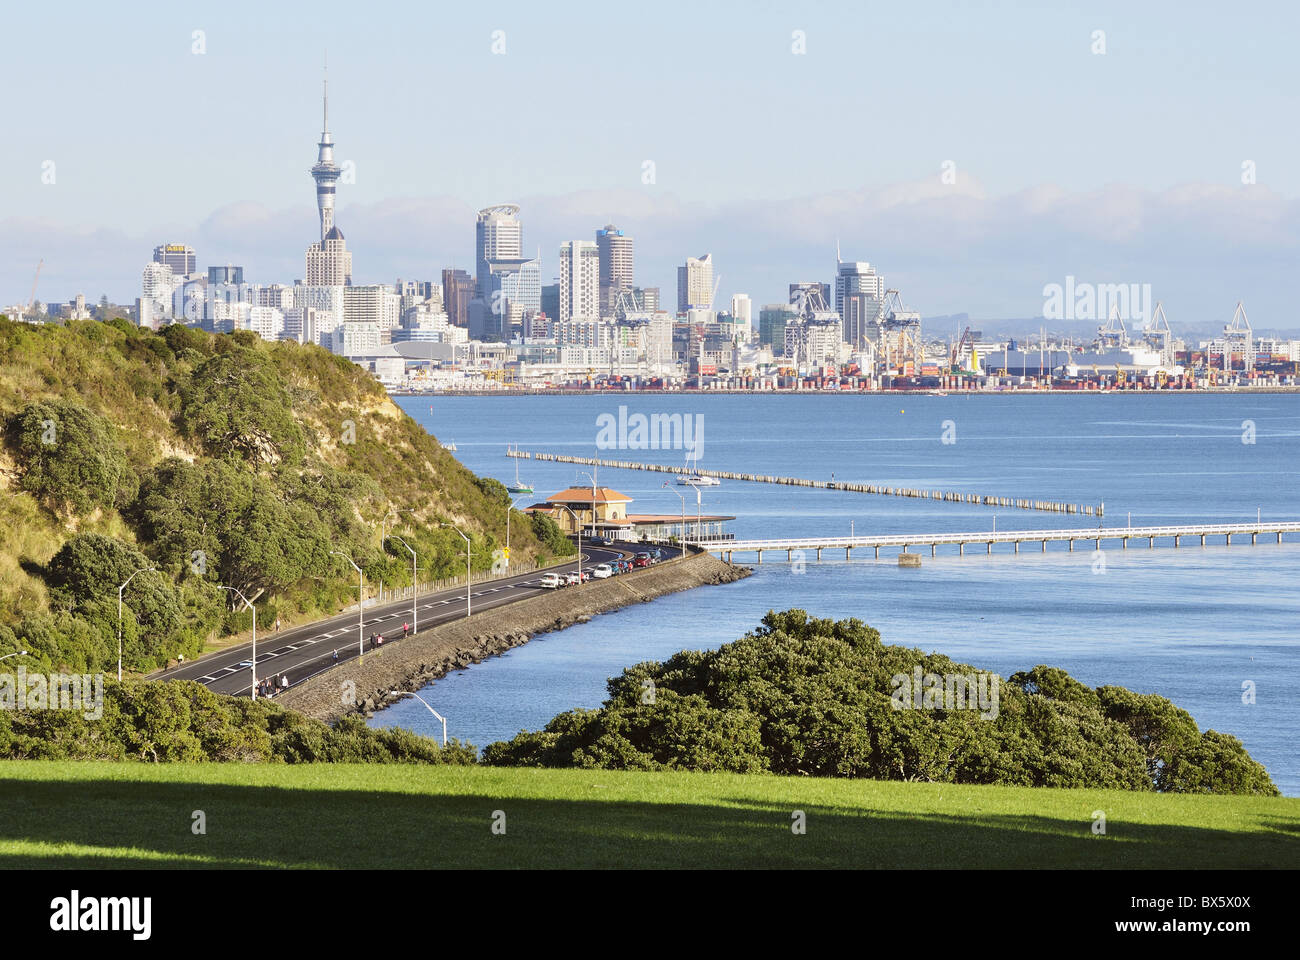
1174, 532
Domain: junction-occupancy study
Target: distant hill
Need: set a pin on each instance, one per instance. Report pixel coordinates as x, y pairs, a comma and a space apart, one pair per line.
221, 460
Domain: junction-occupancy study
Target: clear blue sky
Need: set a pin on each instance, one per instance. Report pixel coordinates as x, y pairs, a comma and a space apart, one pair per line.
1122, 167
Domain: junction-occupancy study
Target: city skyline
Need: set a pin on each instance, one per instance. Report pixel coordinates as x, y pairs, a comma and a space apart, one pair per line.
983, 236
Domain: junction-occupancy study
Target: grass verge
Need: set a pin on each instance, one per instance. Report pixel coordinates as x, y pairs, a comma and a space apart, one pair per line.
88, 815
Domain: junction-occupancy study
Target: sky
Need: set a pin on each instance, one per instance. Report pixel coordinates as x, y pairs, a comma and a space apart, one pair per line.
973, 152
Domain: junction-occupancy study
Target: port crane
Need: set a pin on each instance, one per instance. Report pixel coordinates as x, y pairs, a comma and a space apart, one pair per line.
962, 342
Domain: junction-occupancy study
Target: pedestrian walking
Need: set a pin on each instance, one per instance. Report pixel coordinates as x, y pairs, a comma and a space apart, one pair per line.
284, 681
372, 641
380, 640
406, 628
277, 624
336, 656
180, 660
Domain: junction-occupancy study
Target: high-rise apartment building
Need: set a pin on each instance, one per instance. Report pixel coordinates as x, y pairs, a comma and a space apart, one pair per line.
497, 236
695, 284
615, 250
579, 281
329, 264
374, 303
156, 287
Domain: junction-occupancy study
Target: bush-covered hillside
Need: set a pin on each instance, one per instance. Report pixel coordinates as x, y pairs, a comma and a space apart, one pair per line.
828, 699
220, 460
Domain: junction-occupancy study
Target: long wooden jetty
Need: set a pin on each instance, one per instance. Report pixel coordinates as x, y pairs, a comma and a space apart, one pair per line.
1175, 533
944, 496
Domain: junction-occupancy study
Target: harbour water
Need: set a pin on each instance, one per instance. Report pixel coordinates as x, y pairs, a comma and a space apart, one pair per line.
1196, 625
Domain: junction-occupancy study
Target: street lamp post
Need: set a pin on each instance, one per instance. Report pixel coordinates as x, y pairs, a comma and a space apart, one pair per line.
584, 473
361, 603
577, 529
415, 621
20, 653
119, 618
683, 500
254, 610
406, 693
382, 524
468, 575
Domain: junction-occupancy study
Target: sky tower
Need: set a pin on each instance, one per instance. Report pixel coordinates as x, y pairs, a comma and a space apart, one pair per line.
326, 172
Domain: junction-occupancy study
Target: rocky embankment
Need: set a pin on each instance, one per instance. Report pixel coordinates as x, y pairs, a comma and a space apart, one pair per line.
411, 663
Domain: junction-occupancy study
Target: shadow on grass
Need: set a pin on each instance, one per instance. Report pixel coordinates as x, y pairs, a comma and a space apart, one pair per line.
148, 825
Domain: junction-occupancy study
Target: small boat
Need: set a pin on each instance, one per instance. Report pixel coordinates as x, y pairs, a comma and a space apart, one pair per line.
519, 486
695, 480
937, 393
450, 446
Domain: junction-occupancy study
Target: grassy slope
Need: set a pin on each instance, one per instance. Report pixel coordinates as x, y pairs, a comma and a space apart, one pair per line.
104, 814
118, 378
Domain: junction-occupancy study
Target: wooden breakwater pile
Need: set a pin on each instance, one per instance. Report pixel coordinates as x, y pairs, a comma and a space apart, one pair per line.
946, 496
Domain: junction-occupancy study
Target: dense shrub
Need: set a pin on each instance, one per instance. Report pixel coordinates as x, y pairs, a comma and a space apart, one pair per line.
548, 532
821, 698
69, 458
183, 721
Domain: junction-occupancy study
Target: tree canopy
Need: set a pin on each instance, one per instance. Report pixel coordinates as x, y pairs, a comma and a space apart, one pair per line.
800, 695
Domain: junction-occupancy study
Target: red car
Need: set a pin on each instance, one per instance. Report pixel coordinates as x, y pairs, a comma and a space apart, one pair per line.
642, 560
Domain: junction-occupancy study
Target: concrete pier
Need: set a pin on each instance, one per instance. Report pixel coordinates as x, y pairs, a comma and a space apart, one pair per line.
944, 496
1013, 537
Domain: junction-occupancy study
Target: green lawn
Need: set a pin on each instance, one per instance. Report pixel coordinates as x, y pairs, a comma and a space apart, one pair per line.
68, 814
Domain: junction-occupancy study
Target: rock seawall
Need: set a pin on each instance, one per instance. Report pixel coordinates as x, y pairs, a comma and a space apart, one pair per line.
411, 663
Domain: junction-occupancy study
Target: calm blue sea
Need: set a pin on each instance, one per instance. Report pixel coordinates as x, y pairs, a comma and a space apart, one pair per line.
1192, 624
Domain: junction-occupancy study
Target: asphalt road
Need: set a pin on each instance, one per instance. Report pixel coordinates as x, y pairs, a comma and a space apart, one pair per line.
305, 650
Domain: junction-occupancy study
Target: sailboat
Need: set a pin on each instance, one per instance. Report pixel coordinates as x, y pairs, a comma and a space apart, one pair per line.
519, 486
693, 478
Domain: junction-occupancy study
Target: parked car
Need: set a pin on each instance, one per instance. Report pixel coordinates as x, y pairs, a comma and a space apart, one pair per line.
571, 578
602, 571
598, 541
642, 560
550, 581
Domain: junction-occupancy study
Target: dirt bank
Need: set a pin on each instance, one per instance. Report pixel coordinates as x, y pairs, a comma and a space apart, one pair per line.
411, 663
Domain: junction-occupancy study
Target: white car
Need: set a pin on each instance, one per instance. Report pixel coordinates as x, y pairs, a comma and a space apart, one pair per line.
550, 581
602, 570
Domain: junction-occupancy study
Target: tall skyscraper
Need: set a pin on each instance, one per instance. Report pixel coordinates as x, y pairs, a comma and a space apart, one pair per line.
695, 284
326, 172
178, 257
615, 252
457, 292
859, 296
514, 291
579, 281
497, 236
